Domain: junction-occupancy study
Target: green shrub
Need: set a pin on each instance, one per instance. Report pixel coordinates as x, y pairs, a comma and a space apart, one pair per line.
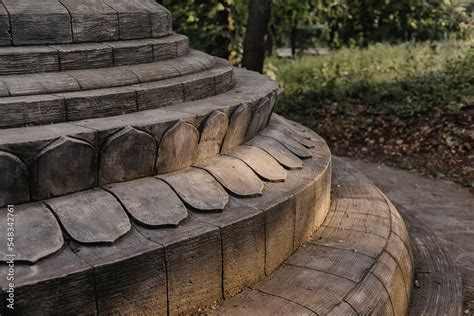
218, 26
398, 81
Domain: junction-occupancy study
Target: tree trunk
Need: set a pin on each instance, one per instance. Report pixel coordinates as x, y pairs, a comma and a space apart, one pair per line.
293, 41
223, 40
255, 37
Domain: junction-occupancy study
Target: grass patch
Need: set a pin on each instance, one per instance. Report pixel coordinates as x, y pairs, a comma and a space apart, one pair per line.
410, 105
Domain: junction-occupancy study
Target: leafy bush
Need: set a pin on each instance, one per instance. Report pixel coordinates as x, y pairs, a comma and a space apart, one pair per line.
408, 105
402, 80
214, 26
218, 26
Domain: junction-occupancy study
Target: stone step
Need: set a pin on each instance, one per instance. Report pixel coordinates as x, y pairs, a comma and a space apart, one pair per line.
152, 246
358, 263
439, 287
109, 77
42, 22
52, 160
41, 109
51, 58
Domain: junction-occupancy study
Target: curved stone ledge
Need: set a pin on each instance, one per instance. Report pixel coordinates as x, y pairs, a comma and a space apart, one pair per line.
109, 267
108, 77
75, 21
99, 97
38, 59
359, 262
123, 147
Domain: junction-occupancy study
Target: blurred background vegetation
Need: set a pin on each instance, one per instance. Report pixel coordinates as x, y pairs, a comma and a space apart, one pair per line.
387, 80
218, 26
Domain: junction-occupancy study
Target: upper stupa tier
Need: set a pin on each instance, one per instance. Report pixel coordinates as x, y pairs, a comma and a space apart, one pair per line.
45, 22
70, 60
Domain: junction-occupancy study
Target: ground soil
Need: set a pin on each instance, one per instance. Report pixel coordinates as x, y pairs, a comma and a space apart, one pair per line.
434, 144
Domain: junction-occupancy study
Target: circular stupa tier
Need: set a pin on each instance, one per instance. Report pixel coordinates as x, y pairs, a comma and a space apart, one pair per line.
40, 22
149, 178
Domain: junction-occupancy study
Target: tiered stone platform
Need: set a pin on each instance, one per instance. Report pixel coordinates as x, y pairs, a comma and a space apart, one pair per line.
148, 178
358, 263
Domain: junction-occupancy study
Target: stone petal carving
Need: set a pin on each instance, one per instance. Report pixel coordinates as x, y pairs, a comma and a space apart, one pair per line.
93, 216
178, 148
295, 147
37, 233
261, 115
282, 154
126, 155
14, 185
234, 175
238, 124
213, 131
301, 130
262, 163
198, 189
151, 202
292, 134
66, 165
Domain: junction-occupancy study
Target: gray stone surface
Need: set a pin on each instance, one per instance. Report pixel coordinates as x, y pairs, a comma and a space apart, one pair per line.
213, 131
99, 103
92, 20
194, 264
330, 276
5, 36
262, 304
38, 22
36, 233
178, 148
131, 53
199, 85
243, 245
294, 146
153, 95
223, 80
238, 124
88, 55
198, 189
279, 232
104, 78
260, 161
32, 84
151, 202
160, 18
127, 154
234, 175
261, 114
56, 168
27, 143
442, 208
14, 182
290, 133
93, 216
20, 111
65, 271
284, 156
299, 129
16, 60
65, 57
133, 267
134, 19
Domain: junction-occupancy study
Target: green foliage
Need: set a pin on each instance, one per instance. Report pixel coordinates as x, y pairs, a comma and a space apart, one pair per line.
214, 26
218, 26
397, 81
360, 22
